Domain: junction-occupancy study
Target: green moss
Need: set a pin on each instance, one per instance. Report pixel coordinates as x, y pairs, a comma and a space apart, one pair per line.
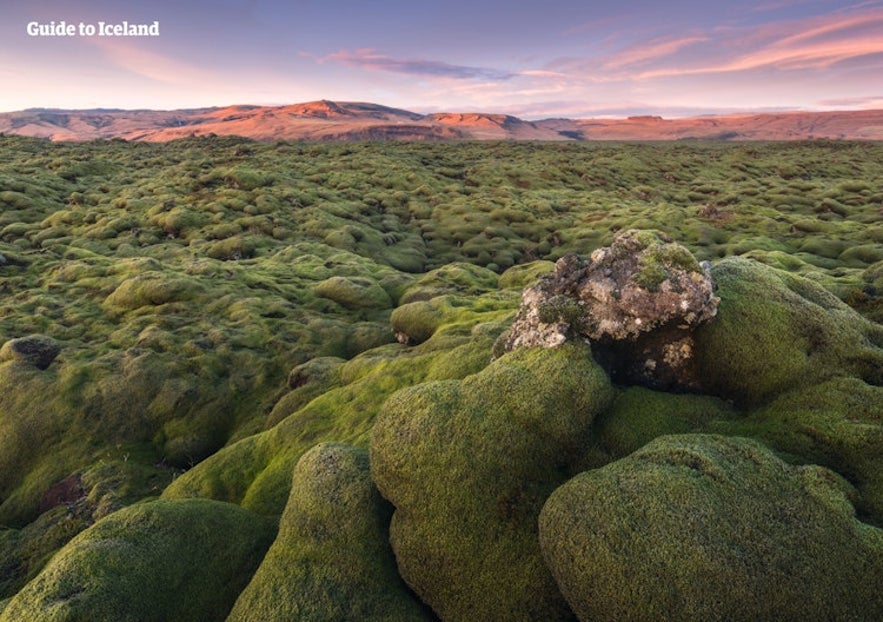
216, 246
331, 559
151, 288
862, 255
639, 415
659, 257
232, 249
560, 309
700, 527
307, 381
255, 471
522, 275
775, 331
417, 321
468, 464
837, 424
454, 278
156, 561
24, 552
354, 293
823, 247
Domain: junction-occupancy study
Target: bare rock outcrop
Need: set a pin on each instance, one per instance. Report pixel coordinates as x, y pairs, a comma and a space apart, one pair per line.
637, 301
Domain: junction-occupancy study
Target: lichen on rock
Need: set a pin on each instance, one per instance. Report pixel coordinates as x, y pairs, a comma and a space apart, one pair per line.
638, 299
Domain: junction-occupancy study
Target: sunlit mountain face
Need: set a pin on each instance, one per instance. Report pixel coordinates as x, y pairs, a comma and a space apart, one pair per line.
341, 121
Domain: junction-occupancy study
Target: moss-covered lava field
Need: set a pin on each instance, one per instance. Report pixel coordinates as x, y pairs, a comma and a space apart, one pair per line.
257, 381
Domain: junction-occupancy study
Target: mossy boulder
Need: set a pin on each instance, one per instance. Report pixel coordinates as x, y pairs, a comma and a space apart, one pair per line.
776, 331
36, 350
363, 336
354, 293
331, 559
638, 301
701, 527
468, 465
837, 424
453, 278
323, 370
164, 560
638, 415
522, 275
415, 322
151, 288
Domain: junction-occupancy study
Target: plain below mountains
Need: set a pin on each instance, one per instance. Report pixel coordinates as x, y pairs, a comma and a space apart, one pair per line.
353, 121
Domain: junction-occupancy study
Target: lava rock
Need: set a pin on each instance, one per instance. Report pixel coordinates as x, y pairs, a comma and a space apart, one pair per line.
637, 301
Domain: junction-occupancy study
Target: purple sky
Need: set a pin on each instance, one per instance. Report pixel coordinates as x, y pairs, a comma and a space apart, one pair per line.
573, 58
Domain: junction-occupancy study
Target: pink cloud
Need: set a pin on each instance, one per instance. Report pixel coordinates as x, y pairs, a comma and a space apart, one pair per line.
150, 64
651, 50
816, 43
870, 101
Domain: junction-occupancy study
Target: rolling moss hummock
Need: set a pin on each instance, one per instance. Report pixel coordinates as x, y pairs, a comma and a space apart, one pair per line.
776, 331
468, 464
256, 471
331, 558
702, 527
163, 560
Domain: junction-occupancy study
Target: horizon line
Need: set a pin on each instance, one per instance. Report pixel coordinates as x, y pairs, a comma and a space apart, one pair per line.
606, 113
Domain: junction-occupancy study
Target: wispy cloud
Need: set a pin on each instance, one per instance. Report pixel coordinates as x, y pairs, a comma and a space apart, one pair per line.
779, 4
150, 64
868, 101
372, 60
651, 51
815, 43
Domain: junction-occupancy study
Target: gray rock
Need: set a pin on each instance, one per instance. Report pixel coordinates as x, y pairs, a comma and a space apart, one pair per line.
637, 301
36, 350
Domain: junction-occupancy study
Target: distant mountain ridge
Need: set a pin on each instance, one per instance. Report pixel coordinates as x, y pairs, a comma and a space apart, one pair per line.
326, 120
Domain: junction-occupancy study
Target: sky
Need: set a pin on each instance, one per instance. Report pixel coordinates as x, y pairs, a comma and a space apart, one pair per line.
533, 59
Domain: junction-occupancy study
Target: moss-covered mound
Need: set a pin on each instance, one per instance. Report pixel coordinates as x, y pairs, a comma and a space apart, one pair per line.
181, 560
354, 293
454, 278
36, 350
776, 331
256, 471
638, 415
699, 527
468, 464
331, 559
837, 424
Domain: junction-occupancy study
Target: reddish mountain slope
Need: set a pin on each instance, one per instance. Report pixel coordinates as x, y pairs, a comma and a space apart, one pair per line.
326, 120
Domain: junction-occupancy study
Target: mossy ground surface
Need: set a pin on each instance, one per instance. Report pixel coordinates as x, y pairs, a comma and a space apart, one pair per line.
163, 560
702, 527
467, 465
331, 559
222, 306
